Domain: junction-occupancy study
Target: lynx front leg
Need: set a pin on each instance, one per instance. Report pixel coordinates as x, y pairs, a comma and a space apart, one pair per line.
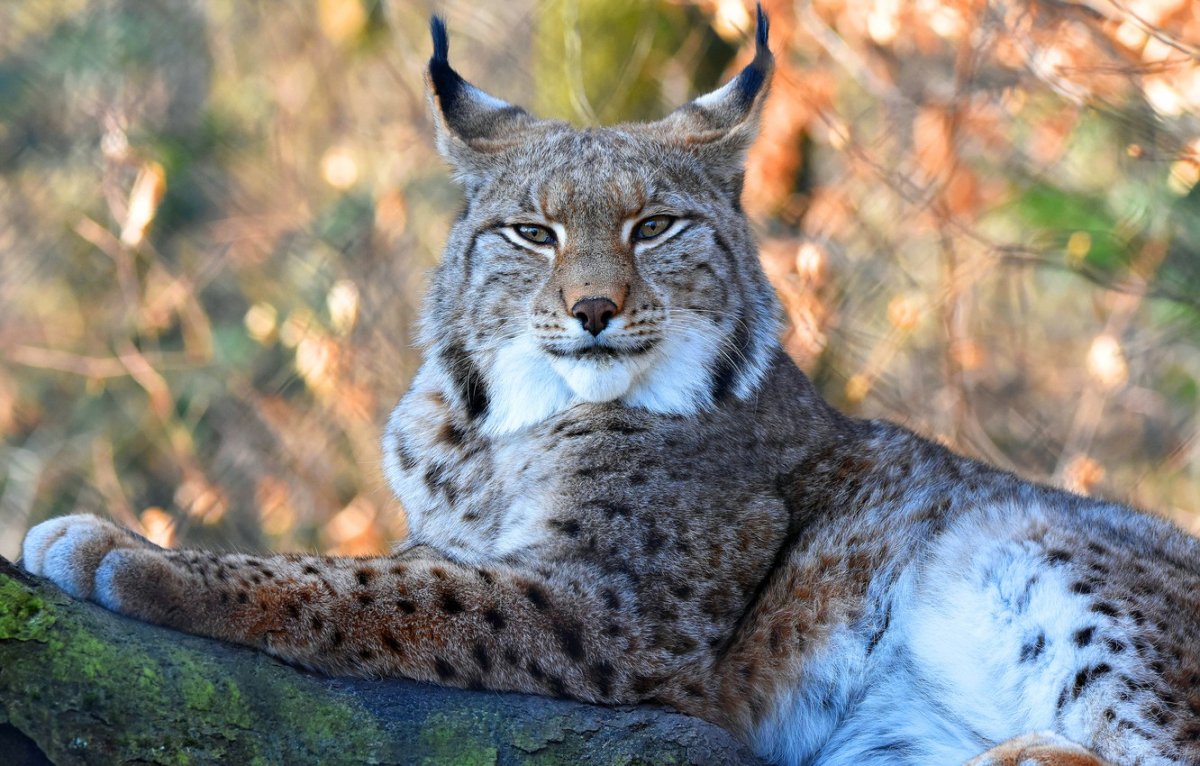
420, 617
1038, 749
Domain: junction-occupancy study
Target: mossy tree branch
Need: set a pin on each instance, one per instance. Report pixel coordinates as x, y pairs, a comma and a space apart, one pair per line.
80, 685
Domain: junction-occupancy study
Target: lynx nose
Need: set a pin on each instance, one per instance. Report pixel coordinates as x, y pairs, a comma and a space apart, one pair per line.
594, 313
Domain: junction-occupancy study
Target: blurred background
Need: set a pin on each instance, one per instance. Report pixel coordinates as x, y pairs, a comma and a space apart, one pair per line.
216, 217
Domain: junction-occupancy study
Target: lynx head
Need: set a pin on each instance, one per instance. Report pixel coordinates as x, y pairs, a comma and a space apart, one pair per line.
599, 265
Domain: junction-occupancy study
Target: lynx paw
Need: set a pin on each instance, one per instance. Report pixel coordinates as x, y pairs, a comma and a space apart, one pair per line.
71, 552
1038, 749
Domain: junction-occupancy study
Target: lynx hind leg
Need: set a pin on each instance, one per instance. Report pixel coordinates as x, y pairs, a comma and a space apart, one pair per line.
1038, 749
68, 550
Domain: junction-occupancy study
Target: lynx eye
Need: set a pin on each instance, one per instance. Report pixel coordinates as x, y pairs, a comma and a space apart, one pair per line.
538, 235
653, 227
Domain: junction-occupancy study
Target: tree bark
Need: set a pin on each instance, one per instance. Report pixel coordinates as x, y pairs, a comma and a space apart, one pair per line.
80, 685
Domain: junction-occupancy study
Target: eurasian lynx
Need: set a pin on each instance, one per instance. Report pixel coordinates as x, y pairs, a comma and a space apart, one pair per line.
621, 490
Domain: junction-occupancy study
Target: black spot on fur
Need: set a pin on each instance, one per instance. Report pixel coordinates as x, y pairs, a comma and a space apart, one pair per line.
453, 435
625, 429
1084, 636
569, 527
466, 375
408, 461
444, 670
364, 576
774, 640
1159, 715
1082, 588
556, 686
365, 599
485, 575
482, 658
406, 606
681, 645
1031, 650
653, 541
600, 675
316, 623
537, 596
568, 636
390, 642
434, 475
736, 347
1057, 556
450, 604
1086, 676
494, 618
643, 685
242, 597
309, 570
535, 670
336, 638
1105, 608
612, 600
293, 611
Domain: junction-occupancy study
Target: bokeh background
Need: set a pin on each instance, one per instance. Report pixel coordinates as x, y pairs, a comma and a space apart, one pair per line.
216, 217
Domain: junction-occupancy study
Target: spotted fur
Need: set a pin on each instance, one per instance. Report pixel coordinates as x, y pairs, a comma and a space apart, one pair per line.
665, 510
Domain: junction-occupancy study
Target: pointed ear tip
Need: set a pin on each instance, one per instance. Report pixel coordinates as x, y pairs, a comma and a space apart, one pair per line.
441, 41
763, 28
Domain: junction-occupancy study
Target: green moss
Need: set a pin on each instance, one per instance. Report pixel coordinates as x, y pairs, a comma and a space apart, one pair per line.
23, 616
443, 741
165, 700
198, 693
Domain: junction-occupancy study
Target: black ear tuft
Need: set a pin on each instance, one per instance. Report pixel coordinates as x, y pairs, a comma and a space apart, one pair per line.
764, 29
446, 82
441, 43
751, 79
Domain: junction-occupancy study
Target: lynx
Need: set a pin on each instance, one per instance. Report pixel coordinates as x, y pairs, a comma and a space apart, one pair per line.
621, 490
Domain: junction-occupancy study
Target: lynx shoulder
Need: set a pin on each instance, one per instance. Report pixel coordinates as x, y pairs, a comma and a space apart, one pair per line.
621, 490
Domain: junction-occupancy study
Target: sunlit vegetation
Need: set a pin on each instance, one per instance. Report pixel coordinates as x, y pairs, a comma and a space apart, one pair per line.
215, 219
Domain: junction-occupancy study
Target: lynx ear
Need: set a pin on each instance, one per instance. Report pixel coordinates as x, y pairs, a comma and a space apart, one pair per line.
720, 126
471, 126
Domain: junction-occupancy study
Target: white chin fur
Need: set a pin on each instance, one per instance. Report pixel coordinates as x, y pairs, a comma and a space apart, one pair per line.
596, 381
526, 386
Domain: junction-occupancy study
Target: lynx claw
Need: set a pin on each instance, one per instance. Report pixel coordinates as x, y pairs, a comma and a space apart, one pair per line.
69, 550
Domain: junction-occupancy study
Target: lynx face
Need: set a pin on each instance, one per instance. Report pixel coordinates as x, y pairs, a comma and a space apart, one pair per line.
598, 265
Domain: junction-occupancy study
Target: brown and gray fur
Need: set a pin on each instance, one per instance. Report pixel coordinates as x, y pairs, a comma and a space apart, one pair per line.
662, 509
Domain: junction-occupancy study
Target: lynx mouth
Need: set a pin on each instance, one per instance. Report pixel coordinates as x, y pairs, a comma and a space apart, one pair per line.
600, 351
